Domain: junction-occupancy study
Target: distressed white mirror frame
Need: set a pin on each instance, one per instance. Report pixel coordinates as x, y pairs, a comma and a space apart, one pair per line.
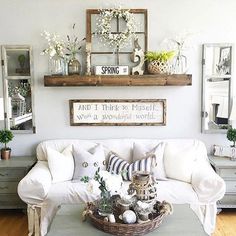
28, 78
217, 86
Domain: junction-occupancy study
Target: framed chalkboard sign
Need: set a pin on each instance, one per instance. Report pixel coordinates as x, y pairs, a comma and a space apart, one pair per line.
122, 112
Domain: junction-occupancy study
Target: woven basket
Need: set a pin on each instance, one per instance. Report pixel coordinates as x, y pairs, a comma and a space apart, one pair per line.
158, 67
121, 229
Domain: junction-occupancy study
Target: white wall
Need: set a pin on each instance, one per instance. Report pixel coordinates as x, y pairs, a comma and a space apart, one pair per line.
21, 22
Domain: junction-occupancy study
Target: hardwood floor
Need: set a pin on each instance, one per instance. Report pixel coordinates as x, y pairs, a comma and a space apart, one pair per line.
14, 223
226, 223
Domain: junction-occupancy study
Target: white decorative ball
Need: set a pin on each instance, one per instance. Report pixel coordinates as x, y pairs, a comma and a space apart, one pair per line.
129, 217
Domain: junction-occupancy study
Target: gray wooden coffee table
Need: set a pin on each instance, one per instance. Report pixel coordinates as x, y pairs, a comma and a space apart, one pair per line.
67, 222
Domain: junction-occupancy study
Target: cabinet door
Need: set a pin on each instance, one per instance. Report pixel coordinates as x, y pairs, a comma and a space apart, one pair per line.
18, 86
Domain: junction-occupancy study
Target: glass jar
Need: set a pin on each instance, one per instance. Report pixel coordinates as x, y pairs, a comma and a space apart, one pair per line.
105, 204
57, 65
74, 67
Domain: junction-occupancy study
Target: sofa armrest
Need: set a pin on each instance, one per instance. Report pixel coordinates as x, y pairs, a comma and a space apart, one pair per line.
209, 186
34, 187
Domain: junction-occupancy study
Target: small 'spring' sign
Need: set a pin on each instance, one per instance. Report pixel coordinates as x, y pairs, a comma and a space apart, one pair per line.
111, 70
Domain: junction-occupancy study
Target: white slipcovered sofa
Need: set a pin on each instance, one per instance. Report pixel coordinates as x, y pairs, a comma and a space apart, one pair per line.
183, 156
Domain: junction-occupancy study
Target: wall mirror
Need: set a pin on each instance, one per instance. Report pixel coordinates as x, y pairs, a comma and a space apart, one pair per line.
217, 94
17, 75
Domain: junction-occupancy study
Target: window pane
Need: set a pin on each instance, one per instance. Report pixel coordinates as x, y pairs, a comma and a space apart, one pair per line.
18, 62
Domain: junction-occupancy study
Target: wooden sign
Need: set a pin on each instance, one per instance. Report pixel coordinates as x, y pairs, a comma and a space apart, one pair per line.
118, 112
111, 70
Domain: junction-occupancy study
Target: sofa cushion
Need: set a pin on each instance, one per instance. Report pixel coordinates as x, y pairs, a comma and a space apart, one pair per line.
176, 192
179, 162
142, 151
88, 161
117, 165
61, 165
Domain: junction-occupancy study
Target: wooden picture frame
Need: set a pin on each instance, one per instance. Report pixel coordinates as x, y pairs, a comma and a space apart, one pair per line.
118, 112
91, 53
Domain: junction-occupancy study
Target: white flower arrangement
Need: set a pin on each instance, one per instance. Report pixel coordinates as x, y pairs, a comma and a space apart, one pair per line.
56, 46
179, 43
119, 39
104, 181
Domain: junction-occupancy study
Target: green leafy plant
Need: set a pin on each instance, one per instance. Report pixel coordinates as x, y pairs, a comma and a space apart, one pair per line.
85, 179
21, 59
5, 137
231, 135
163, 56
104, 202
99, 179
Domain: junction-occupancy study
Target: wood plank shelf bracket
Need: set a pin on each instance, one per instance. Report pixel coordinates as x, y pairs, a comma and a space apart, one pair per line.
124, 80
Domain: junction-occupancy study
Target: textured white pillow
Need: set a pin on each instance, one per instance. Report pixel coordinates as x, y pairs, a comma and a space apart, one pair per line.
61, 165
179, 162
87, 162
141, 151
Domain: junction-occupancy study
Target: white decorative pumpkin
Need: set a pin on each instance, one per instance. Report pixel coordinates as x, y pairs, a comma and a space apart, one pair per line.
129, 217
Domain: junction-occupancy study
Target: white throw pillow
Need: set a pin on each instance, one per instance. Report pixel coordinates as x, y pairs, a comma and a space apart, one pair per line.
61, 165
141, 151
179, 162
88, 161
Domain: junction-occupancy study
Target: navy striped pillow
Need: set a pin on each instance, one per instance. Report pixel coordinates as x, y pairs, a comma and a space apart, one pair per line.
117, 165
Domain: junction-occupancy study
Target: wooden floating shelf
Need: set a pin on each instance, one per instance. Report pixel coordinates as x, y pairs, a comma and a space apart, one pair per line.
118, 80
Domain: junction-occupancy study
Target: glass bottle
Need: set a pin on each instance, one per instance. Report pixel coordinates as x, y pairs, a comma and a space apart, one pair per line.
56, 65
180, 64
74, 66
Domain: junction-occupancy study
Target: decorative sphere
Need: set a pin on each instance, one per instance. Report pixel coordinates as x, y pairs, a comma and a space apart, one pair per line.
129, 217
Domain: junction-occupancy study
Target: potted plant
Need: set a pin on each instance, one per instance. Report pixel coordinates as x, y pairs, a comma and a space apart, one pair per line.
231, 136
73, 46
5, 137
158, 61
21, 60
